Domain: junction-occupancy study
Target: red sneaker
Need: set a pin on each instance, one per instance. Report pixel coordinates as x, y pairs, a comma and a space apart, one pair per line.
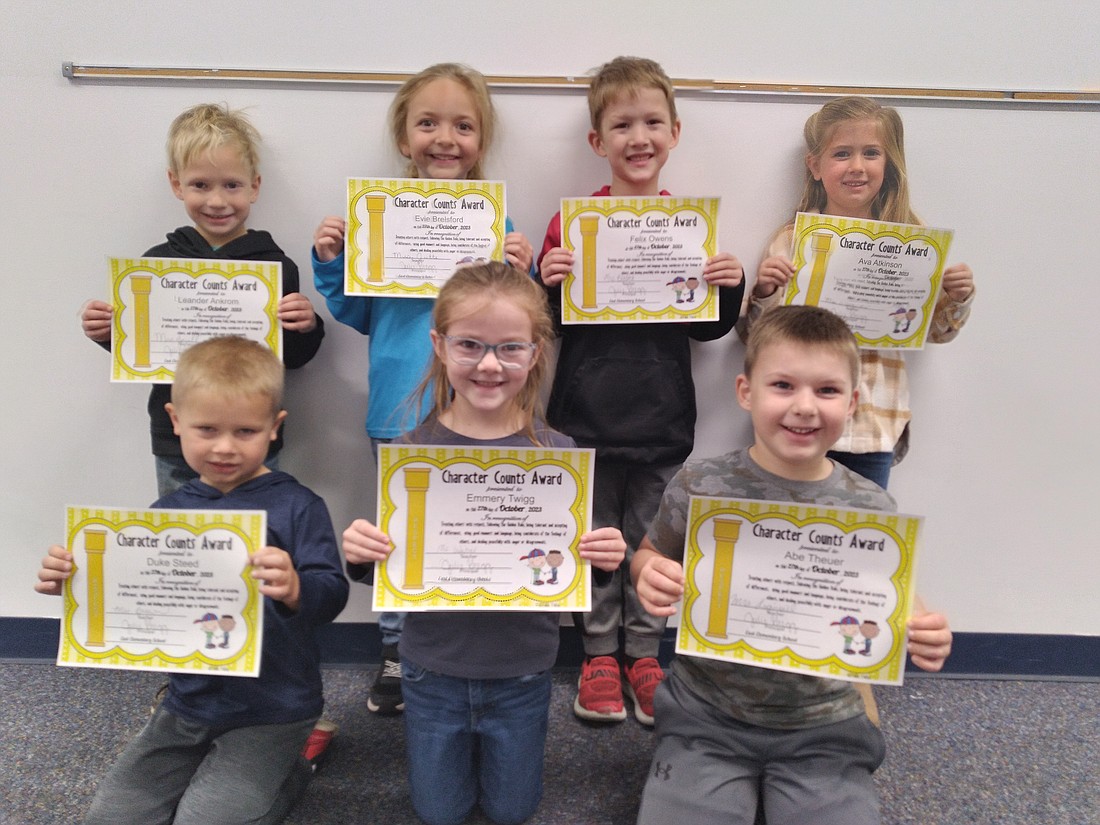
317, 744
600, 691
641, 683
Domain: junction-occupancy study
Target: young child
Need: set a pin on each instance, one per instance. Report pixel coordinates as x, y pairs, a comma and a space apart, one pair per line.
213, 167
217, 748
442, 120
726, 731
477, 685
627, 389
855, 168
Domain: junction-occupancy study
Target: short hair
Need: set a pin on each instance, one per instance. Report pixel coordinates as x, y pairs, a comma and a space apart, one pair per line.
627, 76
892, 202
472, 81
807, 325
230, 366
207, 127
482, 283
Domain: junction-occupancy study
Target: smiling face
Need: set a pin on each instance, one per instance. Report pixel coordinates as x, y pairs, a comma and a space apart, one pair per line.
800, 397
217, 190
851, 168
484, 392
442, 131
225, 437
636, 133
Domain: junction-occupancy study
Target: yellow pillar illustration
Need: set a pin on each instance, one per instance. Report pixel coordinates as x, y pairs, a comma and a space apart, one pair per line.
141, 285
416, 485
376, 208
95, 545
726, 532
590, 225
820, 244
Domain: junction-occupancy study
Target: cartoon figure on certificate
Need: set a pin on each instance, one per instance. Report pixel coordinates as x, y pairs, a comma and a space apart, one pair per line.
678, 285
226, 624
868, 630
209, 625
692, 285
898, 315
848, 627
554, 560
536, 559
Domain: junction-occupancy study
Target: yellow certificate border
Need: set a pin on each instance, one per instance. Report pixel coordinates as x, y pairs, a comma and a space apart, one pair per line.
571, 209
578, 463
807, 224
903, 529
250, 526
270, 273
357, 257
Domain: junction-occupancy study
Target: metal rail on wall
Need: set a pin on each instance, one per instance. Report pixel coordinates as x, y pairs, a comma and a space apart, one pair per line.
79, 71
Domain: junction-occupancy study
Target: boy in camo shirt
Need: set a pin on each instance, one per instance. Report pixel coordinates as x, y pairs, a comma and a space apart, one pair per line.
728, 732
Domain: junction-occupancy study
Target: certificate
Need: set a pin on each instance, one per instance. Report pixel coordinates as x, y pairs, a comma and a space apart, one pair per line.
882, 278
405, 238
638, 260
163, 590
819, 591
483, 528
163, 306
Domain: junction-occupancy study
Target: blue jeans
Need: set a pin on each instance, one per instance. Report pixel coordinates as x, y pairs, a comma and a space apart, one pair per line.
176, 772
873, 466
389, 623
474, 741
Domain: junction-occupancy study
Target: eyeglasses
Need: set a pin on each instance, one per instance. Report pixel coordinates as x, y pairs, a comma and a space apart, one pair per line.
513, 355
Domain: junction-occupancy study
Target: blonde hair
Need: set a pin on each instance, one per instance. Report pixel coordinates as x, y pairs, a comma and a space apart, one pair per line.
482, 283
202, 129
806, 325
626, 76
230, 366
472, 81
892, 202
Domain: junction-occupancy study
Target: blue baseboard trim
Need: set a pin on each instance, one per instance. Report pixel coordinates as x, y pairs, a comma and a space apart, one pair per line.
358, 644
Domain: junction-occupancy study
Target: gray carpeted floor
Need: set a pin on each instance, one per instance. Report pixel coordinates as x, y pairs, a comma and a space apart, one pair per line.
959, 752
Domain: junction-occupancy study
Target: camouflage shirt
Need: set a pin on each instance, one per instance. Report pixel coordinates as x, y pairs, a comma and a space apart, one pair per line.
754, 695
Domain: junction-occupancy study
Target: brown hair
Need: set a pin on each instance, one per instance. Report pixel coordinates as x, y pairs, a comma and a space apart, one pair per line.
208, 126
627, 76
472, 81
231, 366
806, 325
892, 201
482, 283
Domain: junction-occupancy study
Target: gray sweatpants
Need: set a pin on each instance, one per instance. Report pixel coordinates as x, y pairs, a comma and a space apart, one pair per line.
709, 769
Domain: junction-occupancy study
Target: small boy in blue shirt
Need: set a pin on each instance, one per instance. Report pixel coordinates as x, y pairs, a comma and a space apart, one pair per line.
729, 734
219, 748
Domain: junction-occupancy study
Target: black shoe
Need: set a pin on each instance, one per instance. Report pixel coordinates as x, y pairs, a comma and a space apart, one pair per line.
385, 694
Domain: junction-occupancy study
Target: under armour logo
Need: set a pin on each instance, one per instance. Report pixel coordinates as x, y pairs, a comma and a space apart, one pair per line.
662, 771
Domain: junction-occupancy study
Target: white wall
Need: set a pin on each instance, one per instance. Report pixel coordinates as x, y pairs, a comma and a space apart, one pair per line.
1004, 451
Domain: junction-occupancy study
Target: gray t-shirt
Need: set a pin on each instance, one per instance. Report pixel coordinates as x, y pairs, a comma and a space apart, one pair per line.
473, 644
754, 695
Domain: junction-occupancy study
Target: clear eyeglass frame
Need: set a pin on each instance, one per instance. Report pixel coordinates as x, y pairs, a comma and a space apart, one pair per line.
468, 352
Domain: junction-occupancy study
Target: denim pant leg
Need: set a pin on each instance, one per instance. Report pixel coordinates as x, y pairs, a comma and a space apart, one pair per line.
471, 740
390, 625
511, 726
172, 473
441, 745
873, 466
